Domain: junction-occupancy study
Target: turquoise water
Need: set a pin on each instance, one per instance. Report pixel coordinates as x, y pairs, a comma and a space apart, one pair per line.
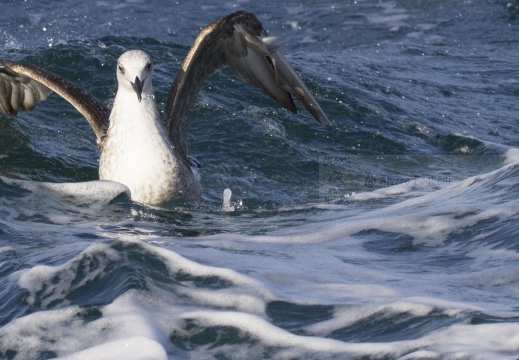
390, 234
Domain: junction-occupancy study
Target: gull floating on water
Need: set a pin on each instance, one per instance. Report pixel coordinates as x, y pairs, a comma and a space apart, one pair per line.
137, 148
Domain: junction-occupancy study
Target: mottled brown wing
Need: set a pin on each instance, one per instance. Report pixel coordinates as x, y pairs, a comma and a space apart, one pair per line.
239, 41
23, 85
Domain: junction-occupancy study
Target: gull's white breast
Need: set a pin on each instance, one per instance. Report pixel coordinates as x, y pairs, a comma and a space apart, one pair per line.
138, 153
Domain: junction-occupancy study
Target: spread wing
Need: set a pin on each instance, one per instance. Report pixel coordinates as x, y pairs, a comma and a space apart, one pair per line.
23, 85
239, 41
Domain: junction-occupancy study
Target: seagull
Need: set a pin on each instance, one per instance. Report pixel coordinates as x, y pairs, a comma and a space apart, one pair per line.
138, 148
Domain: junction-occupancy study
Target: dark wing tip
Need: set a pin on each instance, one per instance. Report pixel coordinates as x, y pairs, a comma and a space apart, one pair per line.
311, 105
239, 41
255, 56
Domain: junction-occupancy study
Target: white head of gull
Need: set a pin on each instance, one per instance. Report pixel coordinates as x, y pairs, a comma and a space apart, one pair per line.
138, 148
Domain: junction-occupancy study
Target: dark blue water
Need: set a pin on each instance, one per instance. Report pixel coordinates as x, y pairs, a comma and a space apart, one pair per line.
392, 233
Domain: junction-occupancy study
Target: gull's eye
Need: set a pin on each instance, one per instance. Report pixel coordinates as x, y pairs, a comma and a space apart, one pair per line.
148, 66
121, 69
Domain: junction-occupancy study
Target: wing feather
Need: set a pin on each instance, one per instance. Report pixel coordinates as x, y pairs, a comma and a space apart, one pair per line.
23, 85
239, 41
29, 101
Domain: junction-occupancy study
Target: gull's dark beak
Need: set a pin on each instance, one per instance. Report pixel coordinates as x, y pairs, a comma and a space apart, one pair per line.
137, 87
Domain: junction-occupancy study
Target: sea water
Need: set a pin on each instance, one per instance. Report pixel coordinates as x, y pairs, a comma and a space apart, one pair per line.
390, 234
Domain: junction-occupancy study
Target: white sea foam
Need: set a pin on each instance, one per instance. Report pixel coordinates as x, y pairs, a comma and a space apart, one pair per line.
226, 203
412, 307
37, 279
428, 219
409, 271
294, 345
132, 348
145, 319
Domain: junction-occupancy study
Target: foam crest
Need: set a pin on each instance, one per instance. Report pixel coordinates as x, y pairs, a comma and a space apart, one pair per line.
124, 330
428, 219
286, 344
132, 348
51, 284
348, 322
108, 269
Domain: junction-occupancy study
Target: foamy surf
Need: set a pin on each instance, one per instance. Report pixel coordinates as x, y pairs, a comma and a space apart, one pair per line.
391, 234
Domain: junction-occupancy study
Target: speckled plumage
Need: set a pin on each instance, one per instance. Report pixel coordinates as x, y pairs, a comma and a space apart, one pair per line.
137, 147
